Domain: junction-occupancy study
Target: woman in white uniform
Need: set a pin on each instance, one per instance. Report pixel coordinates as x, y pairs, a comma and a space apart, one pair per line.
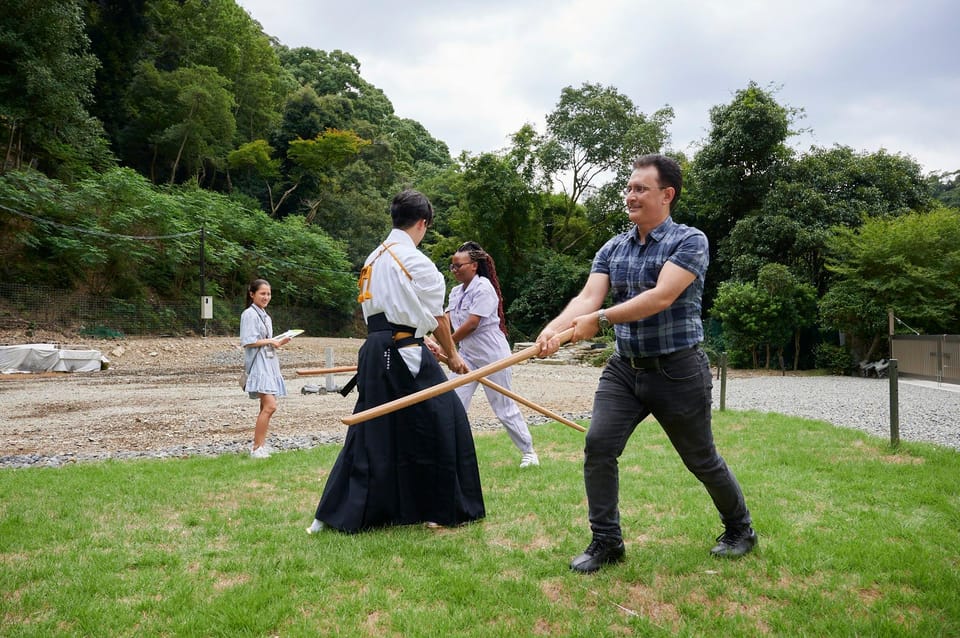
475, 312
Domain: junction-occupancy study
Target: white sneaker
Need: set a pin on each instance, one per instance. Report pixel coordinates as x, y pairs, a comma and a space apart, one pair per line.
529, 459
316, 527
260, 453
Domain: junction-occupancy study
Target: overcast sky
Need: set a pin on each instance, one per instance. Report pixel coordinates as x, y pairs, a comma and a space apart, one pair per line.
868, 74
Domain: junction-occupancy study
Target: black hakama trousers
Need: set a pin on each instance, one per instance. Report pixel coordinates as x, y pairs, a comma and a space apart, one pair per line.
410, 466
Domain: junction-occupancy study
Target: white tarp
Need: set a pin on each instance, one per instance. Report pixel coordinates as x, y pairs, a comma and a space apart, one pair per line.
48, 357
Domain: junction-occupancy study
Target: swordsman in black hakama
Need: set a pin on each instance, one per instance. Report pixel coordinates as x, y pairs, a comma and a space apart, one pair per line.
418, 464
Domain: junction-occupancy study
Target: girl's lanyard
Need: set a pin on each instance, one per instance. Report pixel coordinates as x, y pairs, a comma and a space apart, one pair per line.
268, 351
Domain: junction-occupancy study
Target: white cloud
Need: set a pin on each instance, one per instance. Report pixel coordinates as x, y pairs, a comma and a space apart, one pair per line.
869, 74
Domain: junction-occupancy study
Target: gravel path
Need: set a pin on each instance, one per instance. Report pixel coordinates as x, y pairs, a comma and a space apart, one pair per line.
178, 397
928, 411
175, 397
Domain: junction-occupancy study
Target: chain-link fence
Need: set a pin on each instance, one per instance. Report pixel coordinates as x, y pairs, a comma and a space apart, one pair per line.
26, 307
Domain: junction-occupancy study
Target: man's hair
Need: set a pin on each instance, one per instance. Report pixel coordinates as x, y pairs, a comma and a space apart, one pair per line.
409, 207
668, 171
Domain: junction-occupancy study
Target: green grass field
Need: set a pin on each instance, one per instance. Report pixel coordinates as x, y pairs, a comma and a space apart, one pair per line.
855, 540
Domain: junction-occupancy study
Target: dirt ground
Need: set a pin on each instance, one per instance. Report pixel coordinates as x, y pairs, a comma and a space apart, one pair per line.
163, 393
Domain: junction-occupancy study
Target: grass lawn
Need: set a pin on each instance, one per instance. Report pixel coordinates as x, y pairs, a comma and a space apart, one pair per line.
855, 540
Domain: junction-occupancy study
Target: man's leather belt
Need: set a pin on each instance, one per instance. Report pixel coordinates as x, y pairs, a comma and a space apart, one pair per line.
653, 363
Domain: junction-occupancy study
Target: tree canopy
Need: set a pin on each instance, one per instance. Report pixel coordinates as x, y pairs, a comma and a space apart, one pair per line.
591, 137
820, 190
908, 264
47, 75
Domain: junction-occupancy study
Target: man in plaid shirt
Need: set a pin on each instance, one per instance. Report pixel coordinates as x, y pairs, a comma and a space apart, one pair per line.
655, 273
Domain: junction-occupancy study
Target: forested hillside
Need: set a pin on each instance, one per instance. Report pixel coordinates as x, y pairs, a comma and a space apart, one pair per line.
157, 150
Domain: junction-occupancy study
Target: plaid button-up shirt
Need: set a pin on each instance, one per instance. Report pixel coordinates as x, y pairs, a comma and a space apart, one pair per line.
634, 267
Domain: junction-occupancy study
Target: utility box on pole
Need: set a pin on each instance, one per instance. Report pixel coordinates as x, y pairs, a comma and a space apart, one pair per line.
206, 307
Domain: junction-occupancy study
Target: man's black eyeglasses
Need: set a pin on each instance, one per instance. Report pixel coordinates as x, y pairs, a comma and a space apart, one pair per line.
640, 189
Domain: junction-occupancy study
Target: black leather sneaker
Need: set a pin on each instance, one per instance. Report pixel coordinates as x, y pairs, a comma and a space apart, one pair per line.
734, 543
599, 552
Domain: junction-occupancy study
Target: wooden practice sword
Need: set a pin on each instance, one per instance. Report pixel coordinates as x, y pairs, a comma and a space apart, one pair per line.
440, 388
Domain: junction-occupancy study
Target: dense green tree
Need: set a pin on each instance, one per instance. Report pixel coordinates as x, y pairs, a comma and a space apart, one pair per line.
442, 187
765, 315
199, 74
413, 146
523, 153
945, 187
775, 237
319, 158
333, 189
120, 203
855, 312
305, 114
256, 159
184, 119
744, 153
498, 210
89, 234
46, 78
353, 211
908, 264
685, 211
333, 95
748, 318
24, 254
564, 233
328, 150
118, 32
592, 135
821, 189
606, 216
543, 290
311, 266
796, 304
220, 34
337, 74
838, 185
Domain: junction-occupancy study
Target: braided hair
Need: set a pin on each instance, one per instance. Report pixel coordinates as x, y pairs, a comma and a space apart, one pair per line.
486, 267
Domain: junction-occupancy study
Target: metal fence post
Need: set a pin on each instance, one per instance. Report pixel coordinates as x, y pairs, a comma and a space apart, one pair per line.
331, 382
894, 404
723, 381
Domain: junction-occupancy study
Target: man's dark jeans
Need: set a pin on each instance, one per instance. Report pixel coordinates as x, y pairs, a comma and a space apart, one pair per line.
676, 390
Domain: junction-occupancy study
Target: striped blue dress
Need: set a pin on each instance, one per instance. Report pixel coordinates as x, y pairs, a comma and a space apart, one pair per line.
262, 362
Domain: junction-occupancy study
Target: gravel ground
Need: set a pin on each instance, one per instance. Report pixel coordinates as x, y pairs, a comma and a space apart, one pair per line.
927, 411
178, 397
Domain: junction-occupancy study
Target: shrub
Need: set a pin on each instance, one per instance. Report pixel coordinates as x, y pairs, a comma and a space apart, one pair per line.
836, 359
